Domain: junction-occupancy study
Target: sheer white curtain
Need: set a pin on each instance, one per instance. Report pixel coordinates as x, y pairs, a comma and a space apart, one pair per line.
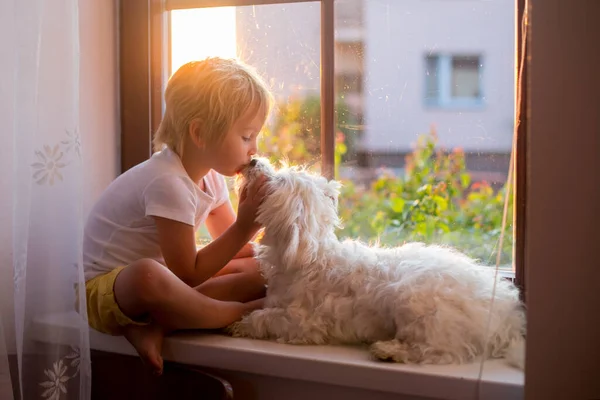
41, 221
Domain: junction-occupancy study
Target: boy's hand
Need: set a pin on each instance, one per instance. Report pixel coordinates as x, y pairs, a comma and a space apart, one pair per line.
250, 200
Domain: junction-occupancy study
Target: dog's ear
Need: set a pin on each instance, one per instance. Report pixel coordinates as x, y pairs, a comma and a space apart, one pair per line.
302, 245
293, 243
289, 217
289, 236
279, 213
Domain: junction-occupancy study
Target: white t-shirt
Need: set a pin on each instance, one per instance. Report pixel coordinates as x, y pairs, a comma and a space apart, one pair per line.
120, 228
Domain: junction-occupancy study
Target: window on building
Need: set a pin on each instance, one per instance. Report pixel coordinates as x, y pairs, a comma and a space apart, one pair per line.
453, 80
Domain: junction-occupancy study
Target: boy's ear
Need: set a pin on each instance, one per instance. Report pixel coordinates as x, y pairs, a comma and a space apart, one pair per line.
194, 132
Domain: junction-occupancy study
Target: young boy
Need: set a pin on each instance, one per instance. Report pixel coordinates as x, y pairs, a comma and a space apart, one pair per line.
144, 274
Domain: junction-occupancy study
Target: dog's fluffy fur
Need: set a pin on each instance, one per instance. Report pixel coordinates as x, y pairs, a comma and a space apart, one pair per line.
413, 304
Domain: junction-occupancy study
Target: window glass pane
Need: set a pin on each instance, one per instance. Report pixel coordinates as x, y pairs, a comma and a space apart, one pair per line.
282, 41
432, 77
465, 77
424, 151
200, 33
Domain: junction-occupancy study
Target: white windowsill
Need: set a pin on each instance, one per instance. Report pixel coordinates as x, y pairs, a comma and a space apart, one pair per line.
337, 365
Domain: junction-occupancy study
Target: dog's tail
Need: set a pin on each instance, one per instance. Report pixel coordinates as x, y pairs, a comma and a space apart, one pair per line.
515, 353
509, 341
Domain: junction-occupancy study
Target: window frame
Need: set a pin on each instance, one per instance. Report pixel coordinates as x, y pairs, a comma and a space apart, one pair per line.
143, 40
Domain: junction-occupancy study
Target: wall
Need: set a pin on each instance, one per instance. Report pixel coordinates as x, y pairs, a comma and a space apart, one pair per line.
99, 124
398, 36
6, 160
99, 96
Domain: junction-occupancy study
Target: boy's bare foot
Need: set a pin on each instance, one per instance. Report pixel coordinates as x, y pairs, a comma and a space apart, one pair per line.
147, 340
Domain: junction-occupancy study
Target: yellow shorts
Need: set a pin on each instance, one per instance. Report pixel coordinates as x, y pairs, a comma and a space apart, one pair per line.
104, 313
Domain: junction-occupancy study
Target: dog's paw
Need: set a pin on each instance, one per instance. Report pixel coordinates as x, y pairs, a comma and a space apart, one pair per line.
392, 350
238, 329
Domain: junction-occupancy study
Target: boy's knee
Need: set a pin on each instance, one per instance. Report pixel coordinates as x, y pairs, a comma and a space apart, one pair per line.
250, 267
251, 264
253, 272
240, 265
148, 280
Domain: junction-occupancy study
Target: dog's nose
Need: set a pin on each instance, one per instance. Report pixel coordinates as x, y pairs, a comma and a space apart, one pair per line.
253, 162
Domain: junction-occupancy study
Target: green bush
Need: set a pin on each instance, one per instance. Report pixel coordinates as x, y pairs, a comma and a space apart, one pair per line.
432, 202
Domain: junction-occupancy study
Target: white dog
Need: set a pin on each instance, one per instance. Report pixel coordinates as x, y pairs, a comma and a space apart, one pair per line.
412, 304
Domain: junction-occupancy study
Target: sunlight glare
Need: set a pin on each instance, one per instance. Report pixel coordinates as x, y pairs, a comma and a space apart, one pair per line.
200, 33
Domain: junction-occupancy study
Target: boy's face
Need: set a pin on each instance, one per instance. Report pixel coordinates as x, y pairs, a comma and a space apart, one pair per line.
240, 143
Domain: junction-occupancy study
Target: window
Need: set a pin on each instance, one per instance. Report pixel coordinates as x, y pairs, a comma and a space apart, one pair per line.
453, 81
563, 99
410, 171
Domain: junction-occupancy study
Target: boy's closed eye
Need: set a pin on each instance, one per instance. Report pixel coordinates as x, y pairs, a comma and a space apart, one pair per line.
249, 136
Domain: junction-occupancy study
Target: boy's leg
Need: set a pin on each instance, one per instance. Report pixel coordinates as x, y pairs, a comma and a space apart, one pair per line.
240, 280
146, 288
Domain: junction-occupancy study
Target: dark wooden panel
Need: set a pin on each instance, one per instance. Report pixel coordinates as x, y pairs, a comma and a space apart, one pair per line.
116, 377
327, 89
521, 156
134, 69
562, 204
143, 72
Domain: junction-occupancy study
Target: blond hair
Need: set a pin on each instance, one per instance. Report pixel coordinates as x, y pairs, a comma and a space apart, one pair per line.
216, 91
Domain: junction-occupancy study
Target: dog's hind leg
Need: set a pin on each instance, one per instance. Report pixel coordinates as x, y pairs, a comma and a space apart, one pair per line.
410, 353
